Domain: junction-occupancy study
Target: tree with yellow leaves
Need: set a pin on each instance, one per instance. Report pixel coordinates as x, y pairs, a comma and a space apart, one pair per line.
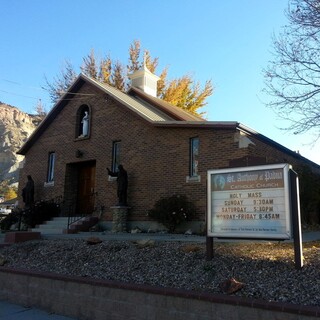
182, 92
8, 191
11, 193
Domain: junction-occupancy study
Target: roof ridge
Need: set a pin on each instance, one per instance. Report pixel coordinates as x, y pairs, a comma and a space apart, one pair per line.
167, 107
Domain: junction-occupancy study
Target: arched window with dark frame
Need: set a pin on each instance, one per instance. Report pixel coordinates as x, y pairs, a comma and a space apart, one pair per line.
83, 121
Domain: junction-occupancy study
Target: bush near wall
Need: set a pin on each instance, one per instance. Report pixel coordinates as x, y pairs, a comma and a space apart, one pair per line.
309, 188
172, 211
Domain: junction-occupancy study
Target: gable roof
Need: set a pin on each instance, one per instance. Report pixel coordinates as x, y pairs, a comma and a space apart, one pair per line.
146, 111
151, 109
154, 110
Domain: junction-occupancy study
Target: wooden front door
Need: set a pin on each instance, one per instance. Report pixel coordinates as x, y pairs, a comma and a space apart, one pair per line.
86, 193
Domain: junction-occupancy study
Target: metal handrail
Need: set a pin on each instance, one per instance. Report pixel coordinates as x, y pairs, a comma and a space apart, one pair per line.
72, 218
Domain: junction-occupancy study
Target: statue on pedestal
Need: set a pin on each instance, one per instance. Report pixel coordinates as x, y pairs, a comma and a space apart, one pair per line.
85, 124
122, 181
28, 192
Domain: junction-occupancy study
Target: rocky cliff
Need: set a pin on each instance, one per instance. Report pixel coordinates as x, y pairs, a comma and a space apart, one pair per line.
15, 128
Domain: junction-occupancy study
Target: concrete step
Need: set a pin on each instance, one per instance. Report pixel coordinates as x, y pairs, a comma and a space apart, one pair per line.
56, 222
58, 225
54, 226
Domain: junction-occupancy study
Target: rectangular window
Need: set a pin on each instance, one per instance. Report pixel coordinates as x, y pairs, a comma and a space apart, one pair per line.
194, 156
51, 163
115, 156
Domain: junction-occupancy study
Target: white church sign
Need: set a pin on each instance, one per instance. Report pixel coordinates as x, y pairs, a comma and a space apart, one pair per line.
249, 202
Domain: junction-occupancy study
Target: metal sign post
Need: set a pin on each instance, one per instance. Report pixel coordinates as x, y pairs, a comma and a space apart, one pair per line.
296, 223
209, 248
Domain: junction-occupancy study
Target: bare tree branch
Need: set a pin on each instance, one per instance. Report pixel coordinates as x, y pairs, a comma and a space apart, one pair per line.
292, 79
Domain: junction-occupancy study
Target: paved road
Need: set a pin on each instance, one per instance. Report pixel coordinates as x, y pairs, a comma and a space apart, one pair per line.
9, 311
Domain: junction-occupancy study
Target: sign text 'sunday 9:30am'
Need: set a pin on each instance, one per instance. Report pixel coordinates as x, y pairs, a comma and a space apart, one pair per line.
249, 202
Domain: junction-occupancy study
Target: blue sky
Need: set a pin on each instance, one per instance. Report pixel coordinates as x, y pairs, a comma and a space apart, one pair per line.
226, 41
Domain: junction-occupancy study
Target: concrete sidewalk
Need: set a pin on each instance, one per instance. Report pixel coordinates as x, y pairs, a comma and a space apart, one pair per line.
310, 236
306, 237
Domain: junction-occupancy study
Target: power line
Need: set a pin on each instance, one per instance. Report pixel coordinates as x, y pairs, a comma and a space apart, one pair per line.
42, 89
19, 95
76, 95
65, 99
23, 85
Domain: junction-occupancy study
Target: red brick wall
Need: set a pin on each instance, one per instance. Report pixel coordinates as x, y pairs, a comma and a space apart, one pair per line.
156, 158
88, 298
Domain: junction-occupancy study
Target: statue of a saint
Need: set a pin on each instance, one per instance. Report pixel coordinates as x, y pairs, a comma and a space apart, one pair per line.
85, 124
122, 181
28, 192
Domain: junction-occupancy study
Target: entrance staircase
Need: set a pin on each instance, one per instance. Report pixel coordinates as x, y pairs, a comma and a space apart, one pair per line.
82, 224
59, 225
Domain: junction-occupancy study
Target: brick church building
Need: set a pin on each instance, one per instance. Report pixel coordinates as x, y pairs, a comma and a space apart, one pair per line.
164, 149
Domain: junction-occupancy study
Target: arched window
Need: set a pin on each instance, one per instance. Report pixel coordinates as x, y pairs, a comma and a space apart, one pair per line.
83, 122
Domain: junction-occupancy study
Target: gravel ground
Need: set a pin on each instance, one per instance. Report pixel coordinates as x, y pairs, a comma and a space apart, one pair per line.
267, 270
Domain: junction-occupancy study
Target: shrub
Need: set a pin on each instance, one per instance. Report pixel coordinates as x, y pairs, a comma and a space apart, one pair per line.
38, 213
7, 221
42, 211
172, 211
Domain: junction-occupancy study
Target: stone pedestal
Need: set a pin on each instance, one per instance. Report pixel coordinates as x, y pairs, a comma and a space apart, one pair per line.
119, 218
